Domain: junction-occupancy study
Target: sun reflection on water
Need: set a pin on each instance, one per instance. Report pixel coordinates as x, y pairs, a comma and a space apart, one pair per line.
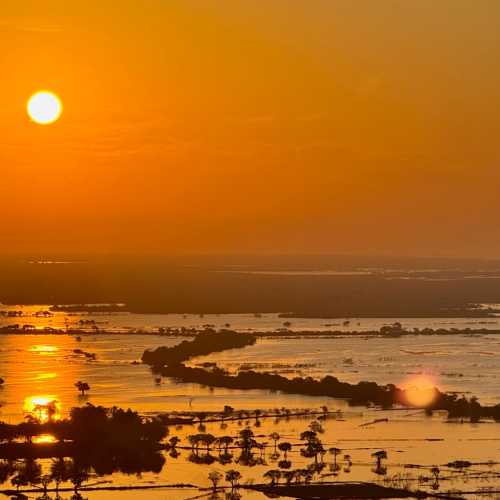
43, 349
44, 408
46, 376
44, 439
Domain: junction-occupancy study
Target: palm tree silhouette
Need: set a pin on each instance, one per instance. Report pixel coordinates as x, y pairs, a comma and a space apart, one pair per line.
233, 476
285, 447
275, 437
59, 471
214, 477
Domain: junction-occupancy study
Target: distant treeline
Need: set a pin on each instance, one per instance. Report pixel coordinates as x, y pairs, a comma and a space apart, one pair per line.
90, 308
205, 343
388, 331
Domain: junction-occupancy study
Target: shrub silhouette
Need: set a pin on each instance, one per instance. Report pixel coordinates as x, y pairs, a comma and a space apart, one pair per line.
83, 387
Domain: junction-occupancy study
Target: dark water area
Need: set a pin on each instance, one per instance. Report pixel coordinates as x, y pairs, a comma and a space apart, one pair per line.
319, 287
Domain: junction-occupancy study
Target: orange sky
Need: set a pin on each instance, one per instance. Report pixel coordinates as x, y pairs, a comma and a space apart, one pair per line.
329, 126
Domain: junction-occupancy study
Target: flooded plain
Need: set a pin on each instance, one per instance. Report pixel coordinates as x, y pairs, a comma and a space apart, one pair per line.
39, 368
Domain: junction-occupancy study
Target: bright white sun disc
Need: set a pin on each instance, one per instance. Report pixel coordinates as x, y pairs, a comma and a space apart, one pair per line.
44, 107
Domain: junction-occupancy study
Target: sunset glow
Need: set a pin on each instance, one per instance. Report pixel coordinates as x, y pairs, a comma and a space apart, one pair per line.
250, 246
44, 107
43, 407
149, 104
44, 349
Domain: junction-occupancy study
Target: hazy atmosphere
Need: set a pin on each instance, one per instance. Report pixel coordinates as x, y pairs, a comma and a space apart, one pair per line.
249, 249
221, 127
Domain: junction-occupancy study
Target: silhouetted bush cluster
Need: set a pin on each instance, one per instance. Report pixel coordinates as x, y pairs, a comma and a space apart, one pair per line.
91, 427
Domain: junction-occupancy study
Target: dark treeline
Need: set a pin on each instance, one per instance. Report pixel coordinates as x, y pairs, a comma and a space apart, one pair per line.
98, 441
335, 490
360, 394
395, 330
205, 343
88, 428
89, 308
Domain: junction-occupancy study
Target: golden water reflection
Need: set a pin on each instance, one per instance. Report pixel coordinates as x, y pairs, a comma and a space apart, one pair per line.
43, 349
46, 376
44, 439
45, 408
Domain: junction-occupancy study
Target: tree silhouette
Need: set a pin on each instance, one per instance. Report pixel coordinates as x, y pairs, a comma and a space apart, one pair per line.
285, 448
348, 463
214, 477
226, 441
233, 477
78, 475
284, 464
6, 469
82, 387
316, 427
379, 456
275, 437
335, 451
208, 440
45, 480
59, 471
194, 441
29, 472
435, 471
174, 441
308, 436
246, 441
273, 475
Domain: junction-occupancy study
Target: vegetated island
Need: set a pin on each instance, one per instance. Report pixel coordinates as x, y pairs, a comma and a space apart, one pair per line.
90, 431
168, 362
203, 344
92, 440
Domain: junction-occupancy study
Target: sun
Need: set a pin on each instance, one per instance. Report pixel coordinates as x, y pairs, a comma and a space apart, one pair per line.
44, 107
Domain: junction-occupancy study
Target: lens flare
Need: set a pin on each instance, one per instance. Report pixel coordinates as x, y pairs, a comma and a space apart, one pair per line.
420, 391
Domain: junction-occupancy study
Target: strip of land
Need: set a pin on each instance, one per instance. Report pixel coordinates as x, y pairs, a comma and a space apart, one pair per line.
168, 363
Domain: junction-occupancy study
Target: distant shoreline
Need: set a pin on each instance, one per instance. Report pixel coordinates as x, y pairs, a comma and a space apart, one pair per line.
384, 332
471, 311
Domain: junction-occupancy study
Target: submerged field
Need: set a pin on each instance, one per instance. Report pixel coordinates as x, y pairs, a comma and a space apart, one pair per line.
41, 368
